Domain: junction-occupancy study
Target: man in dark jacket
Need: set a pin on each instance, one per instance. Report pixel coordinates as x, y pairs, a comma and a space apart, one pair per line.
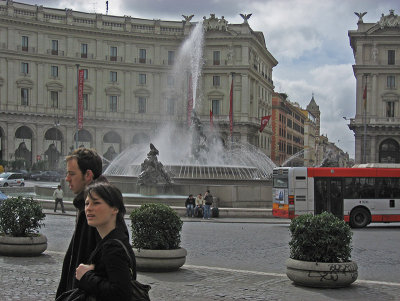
83, 167
190, 203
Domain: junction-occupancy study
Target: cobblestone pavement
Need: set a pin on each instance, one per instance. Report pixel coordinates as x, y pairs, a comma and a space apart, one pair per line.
235, 278
36, 278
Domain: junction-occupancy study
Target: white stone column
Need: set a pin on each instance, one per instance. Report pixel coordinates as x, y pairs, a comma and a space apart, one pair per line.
127, 93
11, 95
243, 110
373, 155
41, 88
374, 99
99, 90
359, 96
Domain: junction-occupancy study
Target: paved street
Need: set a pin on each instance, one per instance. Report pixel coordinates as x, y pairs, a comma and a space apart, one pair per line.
227, 260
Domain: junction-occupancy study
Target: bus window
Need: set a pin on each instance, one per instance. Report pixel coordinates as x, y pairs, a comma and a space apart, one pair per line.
350, 188
280, 183
396, 187
321, 195
366, 188
336, 198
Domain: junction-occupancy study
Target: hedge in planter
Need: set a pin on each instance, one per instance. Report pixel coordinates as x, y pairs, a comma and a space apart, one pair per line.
320, 238
20, 220
20, 217
155, 227
320, 251
156, 238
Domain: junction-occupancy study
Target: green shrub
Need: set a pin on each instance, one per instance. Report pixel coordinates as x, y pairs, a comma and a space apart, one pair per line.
320, 238
155, 227
20, 216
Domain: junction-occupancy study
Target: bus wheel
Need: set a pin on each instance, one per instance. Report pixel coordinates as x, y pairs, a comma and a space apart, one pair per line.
359, 218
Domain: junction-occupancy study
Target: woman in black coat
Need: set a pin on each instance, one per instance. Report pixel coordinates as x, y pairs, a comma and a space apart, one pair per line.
108, 274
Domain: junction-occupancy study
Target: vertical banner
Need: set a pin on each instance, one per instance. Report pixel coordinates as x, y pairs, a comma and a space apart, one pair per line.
211, 120
80, 99
231, 109
190, 102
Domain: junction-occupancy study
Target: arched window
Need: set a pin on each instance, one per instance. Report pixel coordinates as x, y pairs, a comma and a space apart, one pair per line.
389, 151
23, 143
112, 145
84, 139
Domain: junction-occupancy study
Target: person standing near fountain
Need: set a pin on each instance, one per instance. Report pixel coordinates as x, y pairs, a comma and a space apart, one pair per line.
83, 167
208, 200
189, 204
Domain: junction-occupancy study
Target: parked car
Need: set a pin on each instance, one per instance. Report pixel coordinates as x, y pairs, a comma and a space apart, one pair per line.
11, 179
25, 174
50, 175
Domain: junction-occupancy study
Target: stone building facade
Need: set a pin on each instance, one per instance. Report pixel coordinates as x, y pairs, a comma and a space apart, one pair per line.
376, 125
288, 122
128, 91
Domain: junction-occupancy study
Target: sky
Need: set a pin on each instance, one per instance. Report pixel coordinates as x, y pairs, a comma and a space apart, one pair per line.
309, 39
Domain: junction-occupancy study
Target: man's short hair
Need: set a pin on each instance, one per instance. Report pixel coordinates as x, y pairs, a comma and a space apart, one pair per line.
87, 159
59, 186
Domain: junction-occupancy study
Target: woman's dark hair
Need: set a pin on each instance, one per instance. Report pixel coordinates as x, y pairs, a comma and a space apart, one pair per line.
109, 193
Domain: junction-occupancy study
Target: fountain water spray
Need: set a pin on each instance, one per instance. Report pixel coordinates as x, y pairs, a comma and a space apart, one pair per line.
194, 152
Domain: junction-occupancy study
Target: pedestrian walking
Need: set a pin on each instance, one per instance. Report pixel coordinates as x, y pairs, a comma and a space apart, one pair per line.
107, 274
58, 197
83, 167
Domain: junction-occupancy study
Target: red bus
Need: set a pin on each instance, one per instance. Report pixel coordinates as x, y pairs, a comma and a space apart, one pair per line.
358, 195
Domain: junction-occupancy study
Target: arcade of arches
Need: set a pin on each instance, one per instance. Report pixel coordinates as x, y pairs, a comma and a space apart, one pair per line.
24, 142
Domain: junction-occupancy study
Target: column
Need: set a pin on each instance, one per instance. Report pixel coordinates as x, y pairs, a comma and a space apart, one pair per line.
374, 156
71, 88
243, 110
41, 88
374, 99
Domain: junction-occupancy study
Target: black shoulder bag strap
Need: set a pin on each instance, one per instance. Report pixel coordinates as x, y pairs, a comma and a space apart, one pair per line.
140, 291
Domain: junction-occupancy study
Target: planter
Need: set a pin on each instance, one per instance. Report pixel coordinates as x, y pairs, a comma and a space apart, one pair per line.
22, 246
159, 260
319, 274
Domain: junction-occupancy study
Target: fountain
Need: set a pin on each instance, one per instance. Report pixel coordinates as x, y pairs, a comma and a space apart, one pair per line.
195, 157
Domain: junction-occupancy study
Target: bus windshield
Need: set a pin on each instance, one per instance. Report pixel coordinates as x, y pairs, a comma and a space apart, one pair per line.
280, 183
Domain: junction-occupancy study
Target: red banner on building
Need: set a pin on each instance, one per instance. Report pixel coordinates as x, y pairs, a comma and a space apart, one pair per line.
80, 99
264, 122
190, 102
211, 120
231, 109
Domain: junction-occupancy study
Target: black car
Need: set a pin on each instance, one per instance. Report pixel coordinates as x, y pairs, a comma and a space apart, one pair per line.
50, 175
25, 174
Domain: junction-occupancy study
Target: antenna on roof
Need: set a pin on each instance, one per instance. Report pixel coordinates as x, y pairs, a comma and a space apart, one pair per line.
106, 7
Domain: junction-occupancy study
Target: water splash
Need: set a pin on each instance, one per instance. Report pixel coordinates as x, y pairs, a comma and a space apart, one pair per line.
237, 161
189, 61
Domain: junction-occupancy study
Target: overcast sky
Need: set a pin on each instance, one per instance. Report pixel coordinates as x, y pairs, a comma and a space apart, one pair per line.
309, 38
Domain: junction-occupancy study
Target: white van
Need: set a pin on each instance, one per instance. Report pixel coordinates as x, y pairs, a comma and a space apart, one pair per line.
11, 179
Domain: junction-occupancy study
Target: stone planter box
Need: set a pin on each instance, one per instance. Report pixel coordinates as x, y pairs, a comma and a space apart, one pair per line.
318, 274
22, 246
159, 260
